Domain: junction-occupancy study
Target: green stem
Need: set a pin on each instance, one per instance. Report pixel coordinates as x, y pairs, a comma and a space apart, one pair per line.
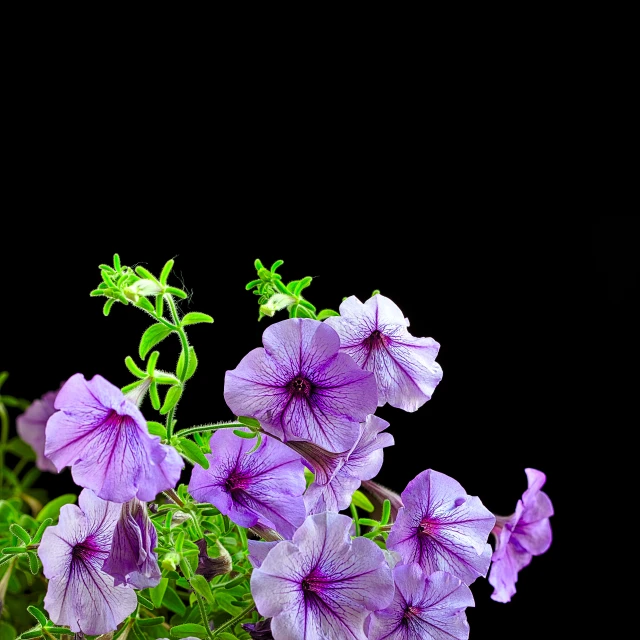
185, 367
203, 612
233, 621
354, 514
4, 435
209, 427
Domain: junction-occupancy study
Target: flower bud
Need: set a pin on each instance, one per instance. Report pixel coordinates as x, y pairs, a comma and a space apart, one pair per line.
170, 560
142, 288
275, 303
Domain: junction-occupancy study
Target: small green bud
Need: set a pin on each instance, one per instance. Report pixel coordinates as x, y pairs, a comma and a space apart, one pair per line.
170, 561
142, 287
275, 303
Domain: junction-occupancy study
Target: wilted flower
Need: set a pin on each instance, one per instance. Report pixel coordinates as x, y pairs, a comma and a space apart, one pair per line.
80, 594
211, 567
521, 536
442, 528
301, 388
322, 584
424, 607
31, 424
104, 439
132, 559
380, 493
264, 486
260, 630
375, 335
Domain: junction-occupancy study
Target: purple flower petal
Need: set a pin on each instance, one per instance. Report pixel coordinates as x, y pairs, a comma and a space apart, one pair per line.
424, 607
31, 424
265, 486
301, 388
258, 551
104, 438
79, 593
442, 528
322, 584
375, 335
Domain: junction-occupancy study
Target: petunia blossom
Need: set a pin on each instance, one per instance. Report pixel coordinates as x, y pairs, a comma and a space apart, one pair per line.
300, 387
323, 583
79, 593
132, 559
104, 438
519, 537
424, 607
264, 486
31, 424
362, 463
442, 528
375, 335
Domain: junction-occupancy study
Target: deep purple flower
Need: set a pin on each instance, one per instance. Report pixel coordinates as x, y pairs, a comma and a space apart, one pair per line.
375, 334
103, 437
132, 559
301, 388
265, 486
521, 536
31, 425
260, 630
442, 528
322, 584
362, 463
80, 594
211, 567
424, 607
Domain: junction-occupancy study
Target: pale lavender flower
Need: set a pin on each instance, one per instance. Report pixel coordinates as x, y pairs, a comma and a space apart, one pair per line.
31, 424
424, 607
375, 335
103, 437
300, 387
362, 463
264, 487
442, 528
322, 584
80, 594
258, 550
521, 536
132, 559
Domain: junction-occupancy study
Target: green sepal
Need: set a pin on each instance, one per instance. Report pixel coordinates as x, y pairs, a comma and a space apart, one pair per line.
301, 284
375, 292
96, 292
195, 317
192, 451
38, 535
107, 306
189, 629
116, 262
171, 399
145, 602
367, 522
159, 306
178, 293
106, 267
149, 622
31, 634
144, 273
156, 429
298, 311
134, 368
19, 532
244, 434
256, 445
252, 284
257, 264
143, 303
292, 285
34, 562
107, 280
131, 387
281, 287
38, 615
166, 270
9, 551
326, 313
153, 395
157, 592
307, 305
166, 379
361, 501
193, 363
201, 586
150, 338
250, 422
275, 265
52, 509
59, 631
386, 511
152, 362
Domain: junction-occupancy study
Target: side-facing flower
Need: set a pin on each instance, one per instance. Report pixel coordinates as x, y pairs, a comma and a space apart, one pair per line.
103, 437
375, 335
520, 536
265, 486
80, 594
132, 559
300, 387
323, 583
31, 424
260, 630
362, 463
424, 607
442, 528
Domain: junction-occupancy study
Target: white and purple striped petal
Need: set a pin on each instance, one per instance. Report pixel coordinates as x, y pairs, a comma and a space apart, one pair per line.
300, 387
103, 437
375, 335
442, 528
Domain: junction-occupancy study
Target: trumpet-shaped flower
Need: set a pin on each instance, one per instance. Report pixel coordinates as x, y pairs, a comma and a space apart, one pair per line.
521, 536
375, 335
322, 584
300, 387
80, 594
103, 437
442, 528
132, 559
265, 486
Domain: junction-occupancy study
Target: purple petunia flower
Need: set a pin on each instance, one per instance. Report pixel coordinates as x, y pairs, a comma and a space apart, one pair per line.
442, 528
80, 594
521, 536
322, 584
31, 424
424, 607
103, 437
362, 463
265, 486
132, 559
260, 630
300, 387
375, 334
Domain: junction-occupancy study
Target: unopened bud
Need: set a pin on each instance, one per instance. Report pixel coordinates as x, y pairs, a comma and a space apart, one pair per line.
142, 288
171, 560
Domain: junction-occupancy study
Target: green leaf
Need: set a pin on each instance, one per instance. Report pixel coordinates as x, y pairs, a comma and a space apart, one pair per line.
38, 536
149, 622
144, 273
3, 376
201, 586
275, 265
174, 291
150, 338
171, 399
361, 501
281, 288
326, 313
19, 532
192, 451
7, 631
156, 429
225, 635
59, 631
159, 306
13, 550
30, 477
250, 422
252, 284
307, 305
189, 629
193, 363
107, 306
145, 602
152, 362
173, 602
143, 303
166, 270
134, 368
194, 317
244, 434
116, 262
52, 509
30, 634
20, 448
300, 285
367, 522
157, 592
386, 511
166, 379
34, 562
153, 395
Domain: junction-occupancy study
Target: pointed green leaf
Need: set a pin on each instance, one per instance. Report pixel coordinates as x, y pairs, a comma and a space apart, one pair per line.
193, 363
20, 533
157, 592
201, 586
150, 338
189, 629
361, 501
192, 451
144, 273
107, 306
131, 387
151, 363
159, 306
150, 622
245, 434
194, 317
38, 536
166, 270
156, 429
134, 368
143, 303
250, 422
20, 448
252, 284
171, 399
326, 313
301, 284
52, 509
145, 602
173, 602
174, 291
38, 615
